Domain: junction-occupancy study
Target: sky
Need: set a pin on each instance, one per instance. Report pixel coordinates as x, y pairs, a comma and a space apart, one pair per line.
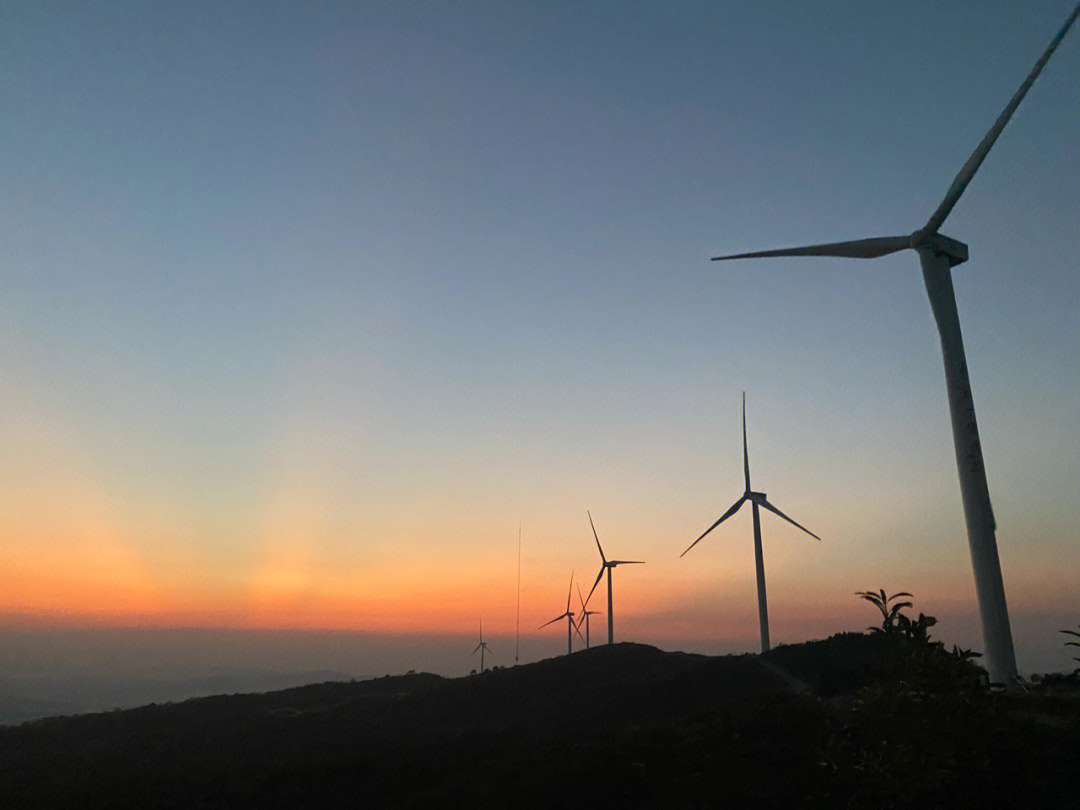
306, 308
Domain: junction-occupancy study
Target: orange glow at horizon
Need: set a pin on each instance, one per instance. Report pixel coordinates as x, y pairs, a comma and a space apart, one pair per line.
71, 556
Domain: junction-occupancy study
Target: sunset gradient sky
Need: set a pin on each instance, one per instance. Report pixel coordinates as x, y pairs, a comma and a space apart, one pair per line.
304, 308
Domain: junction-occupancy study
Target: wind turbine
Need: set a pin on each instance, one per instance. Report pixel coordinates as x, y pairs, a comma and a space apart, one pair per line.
938, 254
569, 616
481, 647
607, 565
585, 614
757, 499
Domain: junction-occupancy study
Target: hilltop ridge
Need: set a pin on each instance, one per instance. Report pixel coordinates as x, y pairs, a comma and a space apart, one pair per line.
628, 724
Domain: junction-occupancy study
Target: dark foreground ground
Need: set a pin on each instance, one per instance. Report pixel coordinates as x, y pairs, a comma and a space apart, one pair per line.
853, 721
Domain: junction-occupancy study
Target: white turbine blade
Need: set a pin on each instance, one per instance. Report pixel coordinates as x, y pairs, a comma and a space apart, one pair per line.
968, 171
855, 249
745, 451
599, 577
602, 557
776, 511
734, 508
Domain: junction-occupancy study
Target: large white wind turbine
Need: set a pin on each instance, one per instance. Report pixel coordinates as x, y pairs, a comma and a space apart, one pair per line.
607, 565
481, 647
757, 499
937, 255
569, 616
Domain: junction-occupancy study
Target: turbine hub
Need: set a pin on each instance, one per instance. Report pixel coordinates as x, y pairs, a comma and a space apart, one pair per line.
955, 250
756, 497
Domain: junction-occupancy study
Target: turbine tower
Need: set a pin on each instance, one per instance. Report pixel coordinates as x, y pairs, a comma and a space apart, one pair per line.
938, 254
757, 499
585, 614
607, 565
517, 630
569, 616
481, 647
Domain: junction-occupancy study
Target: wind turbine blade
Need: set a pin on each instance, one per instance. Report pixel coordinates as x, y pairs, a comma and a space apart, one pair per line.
776, 511
626, 562
474, 652
599, 577
569, 591
734, 508
745, 451
975, 161
580, 599
577, 629
602, 557
855, 249
556, 619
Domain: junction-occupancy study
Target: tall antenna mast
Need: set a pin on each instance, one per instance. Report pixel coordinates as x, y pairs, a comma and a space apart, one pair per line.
517, 636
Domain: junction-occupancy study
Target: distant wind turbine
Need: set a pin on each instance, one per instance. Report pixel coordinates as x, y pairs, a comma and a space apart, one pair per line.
585, 614
577, 631
757, 499
569, 616
481, 647
938, 254
607, 565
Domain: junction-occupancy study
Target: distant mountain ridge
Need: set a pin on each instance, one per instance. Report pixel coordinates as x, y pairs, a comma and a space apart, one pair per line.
23, 699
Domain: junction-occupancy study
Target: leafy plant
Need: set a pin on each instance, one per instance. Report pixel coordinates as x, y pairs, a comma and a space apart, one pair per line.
895, 622
911, 656
916, 629
890, 613
965, 655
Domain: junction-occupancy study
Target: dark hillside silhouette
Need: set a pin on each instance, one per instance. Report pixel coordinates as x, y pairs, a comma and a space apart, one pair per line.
626, 723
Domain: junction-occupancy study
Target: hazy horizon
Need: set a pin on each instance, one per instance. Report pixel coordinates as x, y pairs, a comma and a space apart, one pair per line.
49, 670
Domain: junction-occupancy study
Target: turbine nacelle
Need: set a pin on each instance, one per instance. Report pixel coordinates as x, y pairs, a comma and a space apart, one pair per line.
941, 245
568, 615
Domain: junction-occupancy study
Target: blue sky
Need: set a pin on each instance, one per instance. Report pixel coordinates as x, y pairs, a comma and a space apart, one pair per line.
358, 288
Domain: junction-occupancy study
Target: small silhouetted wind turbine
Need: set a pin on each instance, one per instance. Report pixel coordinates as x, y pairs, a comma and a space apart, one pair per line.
577, 630
585, 614
482, 647
607, 565
569, 616
938, 254
757, 499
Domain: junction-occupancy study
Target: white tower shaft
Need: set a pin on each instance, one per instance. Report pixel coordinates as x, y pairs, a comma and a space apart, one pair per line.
759, 562
610, 613
989, 587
